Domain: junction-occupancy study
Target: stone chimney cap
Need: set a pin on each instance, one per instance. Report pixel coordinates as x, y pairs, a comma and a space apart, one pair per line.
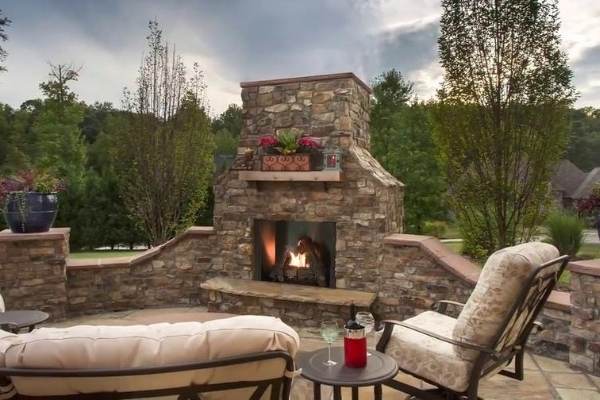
311, 78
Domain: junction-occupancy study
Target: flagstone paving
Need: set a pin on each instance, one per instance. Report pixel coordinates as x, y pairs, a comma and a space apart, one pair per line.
545, 378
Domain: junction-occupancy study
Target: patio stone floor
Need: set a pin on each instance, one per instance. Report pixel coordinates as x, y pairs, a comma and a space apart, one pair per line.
545, 378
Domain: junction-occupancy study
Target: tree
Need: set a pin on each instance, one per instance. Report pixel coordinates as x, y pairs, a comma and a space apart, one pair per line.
227, 128
57, 88
94, 120
584, 138
401, 140
501, 120
229, 120
166, 147
4, 22
57, 127
391, 92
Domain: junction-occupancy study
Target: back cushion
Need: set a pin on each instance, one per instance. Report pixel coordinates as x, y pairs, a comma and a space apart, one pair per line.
82, 347
502, 280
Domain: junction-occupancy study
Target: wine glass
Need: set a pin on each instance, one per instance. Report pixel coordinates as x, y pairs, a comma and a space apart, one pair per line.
329, 333
367, 320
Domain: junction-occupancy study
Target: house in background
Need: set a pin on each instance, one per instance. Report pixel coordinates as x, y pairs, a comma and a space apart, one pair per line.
570, 183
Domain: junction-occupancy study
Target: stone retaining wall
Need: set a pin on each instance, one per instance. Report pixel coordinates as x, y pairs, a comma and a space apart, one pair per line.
585, 321
32, 271
168, 275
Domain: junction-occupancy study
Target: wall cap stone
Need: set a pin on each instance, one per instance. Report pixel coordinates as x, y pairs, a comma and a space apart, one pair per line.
586, 267
559, 301
290, 292
121, 262
53, 234
452, 262
309, 78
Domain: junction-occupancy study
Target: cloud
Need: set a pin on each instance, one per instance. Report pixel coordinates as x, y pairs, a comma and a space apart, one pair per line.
239, 40
587, 76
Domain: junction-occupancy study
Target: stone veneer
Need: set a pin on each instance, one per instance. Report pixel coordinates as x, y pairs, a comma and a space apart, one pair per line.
585, 322
32, 271
334, 106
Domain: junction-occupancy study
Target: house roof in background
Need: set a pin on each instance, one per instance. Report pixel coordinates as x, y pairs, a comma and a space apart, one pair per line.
567, 178
585, 188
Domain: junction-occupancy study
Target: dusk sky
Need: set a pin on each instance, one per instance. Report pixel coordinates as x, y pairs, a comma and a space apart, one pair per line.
236, 40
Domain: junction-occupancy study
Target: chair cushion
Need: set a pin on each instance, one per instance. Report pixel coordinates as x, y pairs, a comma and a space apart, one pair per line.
502, 279
428, 357
82, 347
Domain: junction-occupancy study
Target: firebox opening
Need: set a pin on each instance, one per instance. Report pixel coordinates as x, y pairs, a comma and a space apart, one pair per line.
297, 252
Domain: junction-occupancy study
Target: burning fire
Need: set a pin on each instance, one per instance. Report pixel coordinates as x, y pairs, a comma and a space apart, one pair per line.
298, 260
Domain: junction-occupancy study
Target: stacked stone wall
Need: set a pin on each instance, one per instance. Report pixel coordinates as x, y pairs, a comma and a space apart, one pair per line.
167, 276
32, 271
585, 321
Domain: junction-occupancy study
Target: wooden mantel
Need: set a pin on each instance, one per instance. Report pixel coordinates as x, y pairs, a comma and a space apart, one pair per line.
289, 176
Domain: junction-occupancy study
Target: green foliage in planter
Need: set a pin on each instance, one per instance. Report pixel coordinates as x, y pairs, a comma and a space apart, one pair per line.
288, 142
565, 231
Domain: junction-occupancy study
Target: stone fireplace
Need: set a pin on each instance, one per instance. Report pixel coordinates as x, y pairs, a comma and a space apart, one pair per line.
263, 219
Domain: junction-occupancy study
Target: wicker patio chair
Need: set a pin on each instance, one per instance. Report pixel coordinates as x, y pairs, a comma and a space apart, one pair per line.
454, 354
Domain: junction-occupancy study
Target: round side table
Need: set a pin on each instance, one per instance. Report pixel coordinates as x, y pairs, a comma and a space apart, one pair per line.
379, 369
15, 320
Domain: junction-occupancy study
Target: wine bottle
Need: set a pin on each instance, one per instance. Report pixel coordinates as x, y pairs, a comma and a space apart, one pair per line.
355, 342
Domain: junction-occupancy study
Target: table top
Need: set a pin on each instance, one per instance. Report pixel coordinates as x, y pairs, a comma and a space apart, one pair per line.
22, 318
380, 368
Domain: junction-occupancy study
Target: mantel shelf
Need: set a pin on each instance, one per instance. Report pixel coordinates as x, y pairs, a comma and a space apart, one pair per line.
289, 176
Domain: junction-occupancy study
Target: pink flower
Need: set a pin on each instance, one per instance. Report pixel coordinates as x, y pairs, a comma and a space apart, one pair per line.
309, 142
268, 141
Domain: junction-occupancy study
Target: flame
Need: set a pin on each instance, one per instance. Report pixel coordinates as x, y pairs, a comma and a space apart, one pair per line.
298, 260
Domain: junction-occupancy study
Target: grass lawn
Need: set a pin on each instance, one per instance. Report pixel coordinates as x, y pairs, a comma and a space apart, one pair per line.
452, 232
103, 254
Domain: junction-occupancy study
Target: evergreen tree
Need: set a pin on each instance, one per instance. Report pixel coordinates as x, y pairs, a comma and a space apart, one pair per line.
401, 140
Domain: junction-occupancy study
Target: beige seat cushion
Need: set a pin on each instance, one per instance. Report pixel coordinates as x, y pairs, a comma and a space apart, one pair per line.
161, 344
503, 278
428, 357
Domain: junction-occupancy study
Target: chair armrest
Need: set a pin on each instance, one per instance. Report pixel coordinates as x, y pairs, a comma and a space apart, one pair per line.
441, 306
389, 326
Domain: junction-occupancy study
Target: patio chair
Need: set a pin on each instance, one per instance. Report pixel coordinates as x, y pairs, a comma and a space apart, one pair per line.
454, 354
243, 357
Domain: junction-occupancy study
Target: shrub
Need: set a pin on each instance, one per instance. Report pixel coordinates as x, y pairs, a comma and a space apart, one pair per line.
565, 231
435, 228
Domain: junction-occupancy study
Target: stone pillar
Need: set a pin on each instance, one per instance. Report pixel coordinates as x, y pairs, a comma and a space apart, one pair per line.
33, 271
585, 313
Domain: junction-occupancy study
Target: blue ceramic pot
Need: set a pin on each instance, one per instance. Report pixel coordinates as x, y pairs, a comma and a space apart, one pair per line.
30, 212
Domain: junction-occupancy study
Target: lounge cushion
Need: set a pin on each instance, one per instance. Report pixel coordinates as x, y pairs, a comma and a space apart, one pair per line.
161, 344
502, 279
428, 357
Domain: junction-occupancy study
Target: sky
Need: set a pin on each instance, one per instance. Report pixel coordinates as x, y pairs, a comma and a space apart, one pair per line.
241, 40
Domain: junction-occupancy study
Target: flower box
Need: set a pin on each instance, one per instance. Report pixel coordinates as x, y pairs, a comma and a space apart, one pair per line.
291, 162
